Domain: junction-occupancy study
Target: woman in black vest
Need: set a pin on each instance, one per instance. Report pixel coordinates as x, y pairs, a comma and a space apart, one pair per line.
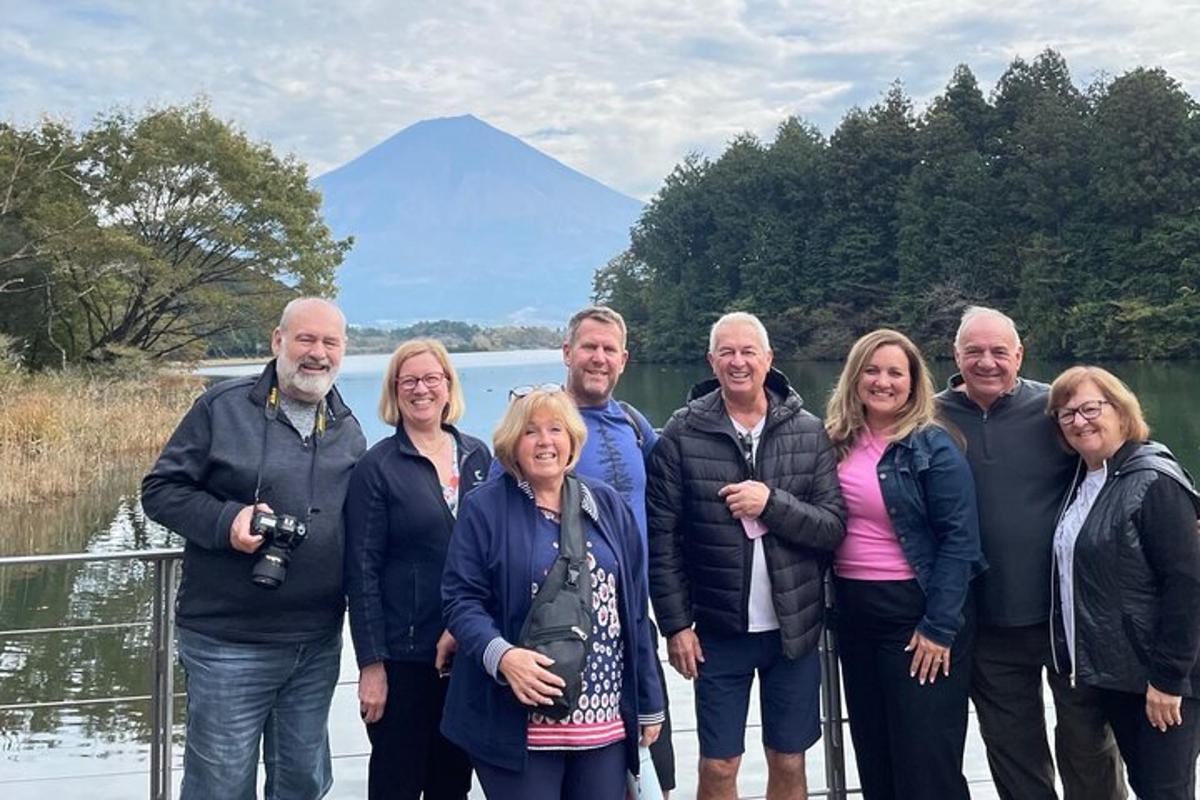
1126, 582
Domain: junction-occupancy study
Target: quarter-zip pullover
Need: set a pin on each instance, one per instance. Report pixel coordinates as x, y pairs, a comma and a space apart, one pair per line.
1021, 475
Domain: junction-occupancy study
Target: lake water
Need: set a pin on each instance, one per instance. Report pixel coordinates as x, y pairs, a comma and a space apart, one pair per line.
100, 750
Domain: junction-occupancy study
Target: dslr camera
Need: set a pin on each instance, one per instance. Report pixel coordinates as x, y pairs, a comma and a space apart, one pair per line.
282, 533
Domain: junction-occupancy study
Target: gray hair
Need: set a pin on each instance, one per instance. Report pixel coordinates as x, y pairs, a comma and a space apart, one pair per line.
599, 314
973, 313
294, 305
739, 318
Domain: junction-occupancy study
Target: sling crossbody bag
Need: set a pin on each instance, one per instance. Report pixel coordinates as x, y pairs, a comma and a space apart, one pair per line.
559, 624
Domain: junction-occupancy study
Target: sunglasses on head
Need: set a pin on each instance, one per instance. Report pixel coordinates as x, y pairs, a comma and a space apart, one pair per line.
518, 392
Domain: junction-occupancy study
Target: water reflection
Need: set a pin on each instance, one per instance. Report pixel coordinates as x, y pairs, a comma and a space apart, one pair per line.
111, 738
77, 665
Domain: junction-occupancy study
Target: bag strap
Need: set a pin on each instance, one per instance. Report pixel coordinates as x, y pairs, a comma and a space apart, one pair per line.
571, 541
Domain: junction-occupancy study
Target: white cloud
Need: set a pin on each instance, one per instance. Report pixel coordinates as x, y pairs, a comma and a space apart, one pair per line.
620, 89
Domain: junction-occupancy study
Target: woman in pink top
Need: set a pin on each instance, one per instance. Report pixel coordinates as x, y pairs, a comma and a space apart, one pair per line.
902, 574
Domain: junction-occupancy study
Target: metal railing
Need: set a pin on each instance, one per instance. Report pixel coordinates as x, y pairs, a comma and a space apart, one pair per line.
165, 565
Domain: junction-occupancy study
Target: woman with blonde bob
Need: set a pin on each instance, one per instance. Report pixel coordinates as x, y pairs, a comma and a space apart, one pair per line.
505, 544
1126, 582
904, 617
400, 508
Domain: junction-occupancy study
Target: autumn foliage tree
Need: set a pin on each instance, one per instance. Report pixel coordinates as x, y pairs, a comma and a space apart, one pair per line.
154, 233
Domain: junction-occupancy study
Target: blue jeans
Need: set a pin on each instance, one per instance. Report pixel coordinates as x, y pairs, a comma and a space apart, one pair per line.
240, 692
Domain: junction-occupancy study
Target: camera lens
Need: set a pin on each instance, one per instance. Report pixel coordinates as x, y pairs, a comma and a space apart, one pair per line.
271, 568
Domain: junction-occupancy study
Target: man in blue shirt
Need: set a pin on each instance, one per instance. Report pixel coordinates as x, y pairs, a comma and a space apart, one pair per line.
618, 440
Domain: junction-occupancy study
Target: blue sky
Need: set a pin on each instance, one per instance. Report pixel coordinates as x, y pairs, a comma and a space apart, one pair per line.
620, 89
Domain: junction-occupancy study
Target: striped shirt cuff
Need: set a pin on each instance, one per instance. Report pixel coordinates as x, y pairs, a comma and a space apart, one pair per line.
657, 718
492, 654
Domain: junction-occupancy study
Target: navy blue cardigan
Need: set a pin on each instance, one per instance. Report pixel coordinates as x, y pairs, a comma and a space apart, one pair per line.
487, 593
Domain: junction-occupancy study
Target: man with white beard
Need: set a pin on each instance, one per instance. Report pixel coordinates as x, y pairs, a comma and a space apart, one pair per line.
260, 607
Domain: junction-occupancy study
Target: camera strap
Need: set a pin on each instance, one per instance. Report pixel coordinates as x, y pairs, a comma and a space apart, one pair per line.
271, 413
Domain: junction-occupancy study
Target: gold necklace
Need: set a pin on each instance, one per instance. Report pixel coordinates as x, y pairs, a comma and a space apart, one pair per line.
429, 452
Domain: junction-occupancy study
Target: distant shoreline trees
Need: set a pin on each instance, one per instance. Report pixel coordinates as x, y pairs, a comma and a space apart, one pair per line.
1078, 212
458, 337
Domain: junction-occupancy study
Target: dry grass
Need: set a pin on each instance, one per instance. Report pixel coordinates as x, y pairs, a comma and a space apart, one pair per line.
59, 432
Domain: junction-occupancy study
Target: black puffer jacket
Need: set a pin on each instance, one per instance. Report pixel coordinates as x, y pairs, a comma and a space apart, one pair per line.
700, 557
1137, 579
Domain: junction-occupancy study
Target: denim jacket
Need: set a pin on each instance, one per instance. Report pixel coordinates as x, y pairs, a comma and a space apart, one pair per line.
930, 497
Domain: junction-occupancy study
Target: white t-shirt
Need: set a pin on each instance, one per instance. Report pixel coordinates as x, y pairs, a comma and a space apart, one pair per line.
762, 610
1065, 536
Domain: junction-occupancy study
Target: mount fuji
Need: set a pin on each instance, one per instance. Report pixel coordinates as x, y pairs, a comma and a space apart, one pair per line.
455, 219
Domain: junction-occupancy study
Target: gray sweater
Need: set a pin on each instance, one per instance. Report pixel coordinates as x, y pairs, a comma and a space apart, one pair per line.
1022, 474
207, 474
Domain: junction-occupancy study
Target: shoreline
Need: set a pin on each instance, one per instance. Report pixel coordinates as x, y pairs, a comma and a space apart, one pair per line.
259, 361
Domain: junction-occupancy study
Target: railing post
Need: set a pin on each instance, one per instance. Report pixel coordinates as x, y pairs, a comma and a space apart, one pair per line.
163, 692
831, 702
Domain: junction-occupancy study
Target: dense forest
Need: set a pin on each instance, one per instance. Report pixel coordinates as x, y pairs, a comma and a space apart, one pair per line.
1075, 210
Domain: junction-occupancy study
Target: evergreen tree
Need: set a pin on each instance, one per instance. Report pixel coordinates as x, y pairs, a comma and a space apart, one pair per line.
870, 157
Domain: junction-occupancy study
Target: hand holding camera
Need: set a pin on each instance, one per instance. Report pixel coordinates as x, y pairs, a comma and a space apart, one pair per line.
241, 537
282, 534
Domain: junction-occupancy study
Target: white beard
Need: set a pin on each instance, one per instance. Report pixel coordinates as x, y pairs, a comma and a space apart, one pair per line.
302, 385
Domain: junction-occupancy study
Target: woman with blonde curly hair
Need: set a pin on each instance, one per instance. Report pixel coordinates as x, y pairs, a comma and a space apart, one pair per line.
903, 573
537, 728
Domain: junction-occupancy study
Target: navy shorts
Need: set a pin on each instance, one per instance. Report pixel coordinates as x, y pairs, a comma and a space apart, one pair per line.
789, 694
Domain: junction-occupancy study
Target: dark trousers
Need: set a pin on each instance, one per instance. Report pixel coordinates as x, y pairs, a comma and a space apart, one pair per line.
662, 752
1162, 766
1006, 688
560, 775
908, 738
408, 753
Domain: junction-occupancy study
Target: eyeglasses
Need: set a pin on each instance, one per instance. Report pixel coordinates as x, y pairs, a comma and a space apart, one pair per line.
432, 380
527, 389
1089, 411
746, 440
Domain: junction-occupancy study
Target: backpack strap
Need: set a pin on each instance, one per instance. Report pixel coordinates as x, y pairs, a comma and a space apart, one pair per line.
631, 416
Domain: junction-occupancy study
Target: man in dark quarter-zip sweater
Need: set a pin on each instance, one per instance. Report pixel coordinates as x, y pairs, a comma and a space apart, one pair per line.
262, 662
1021, 476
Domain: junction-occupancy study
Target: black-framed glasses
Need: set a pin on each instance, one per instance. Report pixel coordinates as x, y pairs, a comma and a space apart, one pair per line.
1089, 411
432, 380
529, 388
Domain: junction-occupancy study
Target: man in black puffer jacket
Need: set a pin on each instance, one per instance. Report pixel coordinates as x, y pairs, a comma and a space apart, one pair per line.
744, 511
